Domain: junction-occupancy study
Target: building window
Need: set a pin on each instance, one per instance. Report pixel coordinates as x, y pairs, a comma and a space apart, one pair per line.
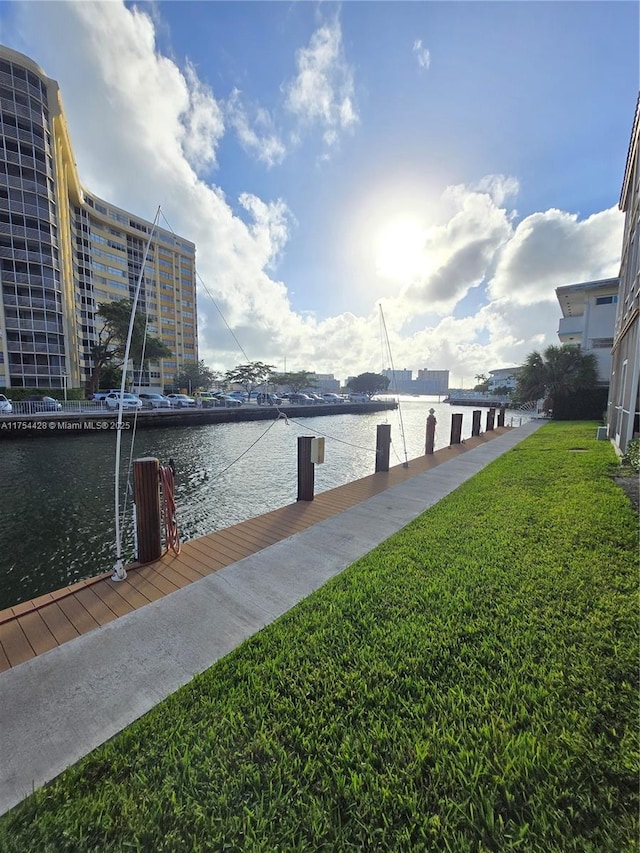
606, 300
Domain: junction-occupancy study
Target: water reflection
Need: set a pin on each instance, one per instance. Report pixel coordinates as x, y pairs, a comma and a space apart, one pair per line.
56, 504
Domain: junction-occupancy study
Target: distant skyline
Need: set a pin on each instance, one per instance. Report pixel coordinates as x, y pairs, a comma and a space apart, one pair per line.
454, 162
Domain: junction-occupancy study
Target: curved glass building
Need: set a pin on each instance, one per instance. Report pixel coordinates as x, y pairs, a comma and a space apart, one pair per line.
63, 251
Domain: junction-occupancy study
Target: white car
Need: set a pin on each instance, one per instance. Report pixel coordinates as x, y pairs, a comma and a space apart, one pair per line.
332, 398
154, 401
179, 401
5, 405
129, 401
359, 398
230, 401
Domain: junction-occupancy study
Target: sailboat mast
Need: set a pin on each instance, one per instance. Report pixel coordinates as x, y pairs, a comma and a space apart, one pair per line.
119, 572
405, 464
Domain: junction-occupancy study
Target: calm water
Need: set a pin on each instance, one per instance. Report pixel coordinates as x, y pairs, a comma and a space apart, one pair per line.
57, 496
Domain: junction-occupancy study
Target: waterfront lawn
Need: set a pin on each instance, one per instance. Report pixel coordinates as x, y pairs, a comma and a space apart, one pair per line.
470, 685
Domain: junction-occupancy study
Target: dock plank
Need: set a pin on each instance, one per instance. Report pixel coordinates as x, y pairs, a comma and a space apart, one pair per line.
15, 645
94, 604
37, 633
61, 628
77, 614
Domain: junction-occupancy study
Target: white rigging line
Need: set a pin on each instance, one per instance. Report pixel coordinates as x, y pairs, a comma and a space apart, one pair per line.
208, 292
119, 572
405, 464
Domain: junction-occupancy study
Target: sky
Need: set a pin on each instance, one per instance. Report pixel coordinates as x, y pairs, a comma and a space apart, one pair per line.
435, 168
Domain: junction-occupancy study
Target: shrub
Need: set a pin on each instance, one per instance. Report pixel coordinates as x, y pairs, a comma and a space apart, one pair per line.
632, 456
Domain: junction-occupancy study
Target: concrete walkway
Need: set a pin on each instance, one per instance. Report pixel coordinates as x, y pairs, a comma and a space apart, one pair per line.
57, 707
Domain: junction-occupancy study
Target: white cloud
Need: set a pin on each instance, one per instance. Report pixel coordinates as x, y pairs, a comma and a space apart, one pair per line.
422, 54
267, 145
143, 130
554, 248
323, 90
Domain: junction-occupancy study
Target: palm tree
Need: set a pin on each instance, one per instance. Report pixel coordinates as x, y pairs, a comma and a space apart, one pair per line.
557, 372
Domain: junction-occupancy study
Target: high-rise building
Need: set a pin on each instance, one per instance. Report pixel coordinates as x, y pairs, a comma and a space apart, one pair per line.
624, 389
63, 251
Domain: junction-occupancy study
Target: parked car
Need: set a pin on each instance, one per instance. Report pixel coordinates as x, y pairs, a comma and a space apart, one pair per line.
180, 401
315, 398
230, 401
129, 401
269, 400
40, 403
332, 398
99, 396
5, 405
300, 400
154, 401
359, 398
207, 399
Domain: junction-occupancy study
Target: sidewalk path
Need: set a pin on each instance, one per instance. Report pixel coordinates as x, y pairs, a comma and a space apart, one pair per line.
57, 707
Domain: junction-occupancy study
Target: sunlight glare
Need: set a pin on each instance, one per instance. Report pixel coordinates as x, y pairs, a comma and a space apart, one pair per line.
399, 249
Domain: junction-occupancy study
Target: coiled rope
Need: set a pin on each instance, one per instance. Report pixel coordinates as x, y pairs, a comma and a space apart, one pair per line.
171, 531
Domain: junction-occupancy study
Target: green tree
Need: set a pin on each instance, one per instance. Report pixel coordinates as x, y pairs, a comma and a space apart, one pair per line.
369, 383
112, 339
295, 382
483, 382
196, 375
559, 371
250, 375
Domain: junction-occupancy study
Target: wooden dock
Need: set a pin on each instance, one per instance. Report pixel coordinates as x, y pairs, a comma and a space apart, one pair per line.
34, 627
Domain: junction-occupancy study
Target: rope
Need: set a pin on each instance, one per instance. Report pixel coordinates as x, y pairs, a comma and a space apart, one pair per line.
171, 532
260, 437
332, 437
207, 291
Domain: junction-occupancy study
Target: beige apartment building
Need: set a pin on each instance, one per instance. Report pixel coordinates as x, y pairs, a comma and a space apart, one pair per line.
624, 389
63, 250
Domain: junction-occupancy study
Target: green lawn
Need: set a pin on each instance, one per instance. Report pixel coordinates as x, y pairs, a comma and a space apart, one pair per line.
470, 685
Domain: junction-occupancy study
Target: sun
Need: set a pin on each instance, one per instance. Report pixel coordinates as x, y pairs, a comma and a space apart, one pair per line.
399, 249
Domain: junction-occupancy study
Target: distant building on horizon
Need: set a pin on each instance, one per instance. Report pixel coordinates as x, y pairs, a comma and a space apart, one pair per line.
431, 383
63, 250
503, 377
326, 383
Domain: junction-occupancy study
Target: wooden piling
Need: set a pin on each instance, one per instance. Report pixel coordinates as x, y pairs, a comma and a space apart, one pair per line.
491, 415
456, 429
501, 412
147, 499
383, 447
306, 469
475, 425
431, 433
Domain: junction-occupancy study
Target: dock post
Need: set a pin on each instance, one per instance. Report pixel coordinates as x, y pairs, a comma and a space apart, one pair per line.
475, 426
383, 446
456, 429
431, 433
305, 468
147, 498
491, 414
501, 412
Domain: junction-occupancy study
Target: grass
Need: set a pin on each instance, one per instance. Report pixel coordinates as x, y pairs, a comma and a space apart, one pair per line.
470, 685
